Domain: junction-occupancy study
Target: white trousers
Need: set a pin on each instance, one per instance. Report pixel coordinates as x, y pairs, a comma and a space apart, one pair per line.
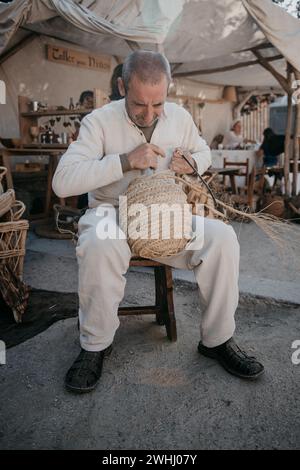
104, 262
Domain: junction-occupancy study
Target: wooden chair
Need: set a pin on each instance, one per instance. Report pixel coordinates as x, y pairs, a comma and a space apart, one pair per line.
255, 189
164, 305
244, 170
292, 165
256, 186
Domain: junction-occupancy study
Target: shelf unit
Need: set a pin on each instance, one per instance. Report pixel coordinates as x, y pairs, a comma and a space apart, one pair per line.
28, 118
45, 146
53, 112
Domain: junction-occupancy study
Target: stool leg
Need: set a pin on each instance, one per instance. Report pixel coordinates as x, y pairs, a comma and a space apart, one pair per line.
164, 300
159, 295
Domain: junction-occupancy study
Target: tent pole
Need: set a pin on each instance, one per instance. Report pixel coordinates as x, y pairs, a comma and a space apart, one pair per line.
288, 132
264, 62
17, 47
175, 66
225, 69
286, 84
134, 46
296, 154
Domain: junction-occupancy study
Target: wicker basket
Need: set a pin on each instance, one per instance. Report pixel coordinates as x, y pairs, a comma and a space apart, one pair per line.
13, 234
7, 200
273, 205
161, 191
3, 172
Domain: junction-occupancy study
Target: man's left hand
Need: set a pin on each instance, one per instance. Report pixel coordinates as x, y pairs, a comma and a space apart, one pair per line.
179, 165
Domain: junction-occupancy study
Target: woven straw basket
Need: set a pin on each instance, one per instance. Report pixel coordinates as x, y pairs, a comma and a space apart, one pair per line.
13, 232
7, 200
273, 205
3, 171
152, 237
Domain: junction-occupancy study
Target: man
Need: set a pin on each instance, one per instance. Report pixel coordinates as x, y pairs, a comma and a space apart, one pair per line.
116, 144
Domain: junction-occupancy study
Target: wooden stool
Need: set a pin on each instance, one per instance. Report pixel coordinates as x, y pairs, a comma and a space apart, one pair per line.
164, 305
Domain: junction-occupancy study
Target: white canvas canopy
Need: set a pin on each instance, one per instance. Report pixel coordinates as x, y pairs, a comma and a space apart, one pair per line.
247, 43
196, 35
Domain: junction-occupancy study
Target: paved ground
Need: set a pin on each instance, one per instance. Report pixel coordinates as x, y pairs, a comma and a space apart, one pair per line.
155, 394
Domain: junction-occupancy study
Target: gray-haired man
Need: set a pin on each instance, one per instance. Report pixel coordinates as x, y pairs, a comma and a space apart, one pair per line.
117, 143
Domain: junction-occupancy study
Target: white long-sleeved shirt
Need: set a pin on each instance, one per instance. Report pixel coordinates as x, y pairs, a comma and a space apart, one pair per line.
232, 140
92, 163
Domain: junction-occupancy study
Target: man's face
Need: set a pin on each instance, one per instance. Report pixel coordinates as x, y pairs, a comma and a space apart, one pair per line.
145, 102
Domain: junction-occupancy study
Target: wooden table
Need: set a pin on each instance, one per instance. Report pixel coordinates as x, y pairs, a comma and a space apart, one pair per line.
54, 154
232, 172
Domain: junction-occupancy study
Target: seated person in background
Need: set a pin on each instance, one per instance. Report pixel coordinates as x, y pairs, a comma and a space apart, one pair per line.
234, 138
271, 148
86, 99
115, 93
217, 140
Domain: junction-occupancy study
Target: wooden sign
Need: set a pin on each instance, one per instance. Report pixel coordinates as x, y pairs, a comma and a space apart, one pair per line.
66, 56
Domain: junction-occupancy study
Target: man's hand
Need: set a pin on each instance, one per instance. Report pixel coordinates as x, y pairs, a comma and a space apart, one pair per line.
144, 156
179, 165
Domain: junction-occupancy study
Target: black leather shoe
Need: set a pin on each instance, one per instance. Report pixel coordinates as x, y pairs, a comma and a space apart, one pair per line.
234, 360
86, 370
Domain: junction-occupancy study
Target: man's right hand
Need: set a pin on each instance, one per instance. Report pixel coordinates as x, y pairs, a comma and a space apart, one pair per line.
144, 156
